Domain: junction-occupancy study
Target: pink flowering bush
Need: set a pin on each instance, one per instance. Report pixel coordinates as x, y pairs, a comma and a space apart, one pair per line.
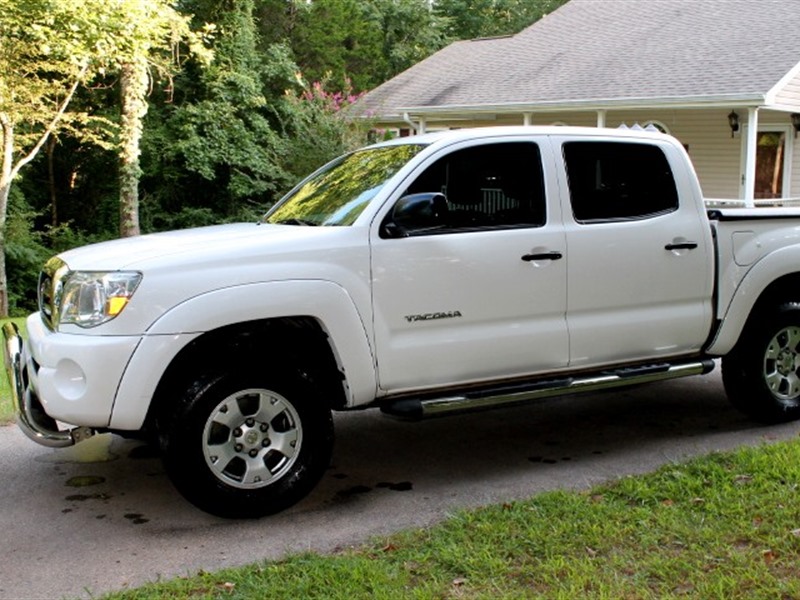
321, 125
331, 101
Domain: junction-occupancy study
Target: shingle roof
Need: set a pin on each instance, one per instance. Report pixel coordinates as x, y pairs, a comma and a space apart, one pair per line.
591, 50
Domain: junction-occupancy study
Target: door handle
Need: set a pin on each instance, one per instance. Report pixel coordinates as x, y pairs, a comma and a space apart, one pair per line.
543, 256
681, 246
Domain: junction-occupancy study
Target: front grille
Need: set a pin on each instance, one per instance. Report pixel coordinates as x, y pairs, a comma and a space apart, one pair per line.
50, 282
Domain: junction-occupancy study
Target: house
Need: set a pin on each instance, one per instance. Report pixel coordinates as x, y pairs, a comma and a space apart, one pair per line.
723, 76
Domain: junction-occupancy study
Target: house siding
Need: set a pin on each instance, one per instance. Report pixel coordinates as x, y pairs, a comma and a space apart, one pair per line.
705, 133
790, 94
717, 157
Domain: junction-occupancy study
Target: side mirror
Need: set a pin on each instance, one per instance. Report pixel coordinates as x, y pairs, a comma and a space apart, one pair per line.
416, 213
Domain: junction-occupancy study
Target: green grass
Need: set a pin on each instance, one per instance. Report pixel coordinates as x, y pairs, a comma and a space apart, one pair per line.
6, 409
725, 526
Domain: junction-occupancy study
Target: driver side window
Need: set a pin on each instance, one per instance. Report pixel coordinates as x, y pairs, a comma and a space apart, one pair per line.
490, 186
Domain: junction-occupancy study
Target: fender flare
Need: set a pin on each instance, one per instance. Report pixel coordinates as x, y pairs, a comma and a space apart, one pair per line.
776, 265
325, 301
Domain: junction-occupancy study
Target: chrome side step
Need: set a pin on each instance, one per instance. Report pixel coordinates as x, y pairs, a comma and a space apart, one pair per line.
415, 408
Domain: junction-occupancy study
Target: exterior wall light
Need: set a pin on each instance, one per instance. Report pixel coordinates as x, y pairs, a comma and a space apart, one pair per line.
796, 122
733, 121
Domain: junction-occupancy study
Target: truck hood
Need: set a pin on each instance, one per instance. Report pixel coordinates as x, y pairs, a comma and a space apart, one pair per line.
131, 253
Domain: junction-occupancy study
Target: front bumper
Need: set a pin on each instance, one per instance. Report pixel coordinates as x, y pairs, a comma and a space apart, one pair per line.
31, 418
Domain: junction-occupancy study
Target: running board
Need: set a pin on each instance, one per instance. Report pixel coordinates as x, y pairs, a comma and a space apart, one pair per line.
416, 408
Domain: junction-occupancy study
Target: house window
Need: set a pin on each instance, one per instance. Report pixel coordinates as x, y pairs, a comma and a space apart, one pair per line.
617, 181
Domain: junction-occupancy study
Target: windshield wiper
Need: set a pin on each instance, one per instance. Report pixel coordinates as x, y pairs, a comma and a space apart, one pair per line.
294, 221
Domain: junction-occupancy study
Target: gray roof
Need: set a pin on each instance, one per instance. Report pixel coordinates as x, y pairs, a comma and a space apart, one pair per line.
593, 51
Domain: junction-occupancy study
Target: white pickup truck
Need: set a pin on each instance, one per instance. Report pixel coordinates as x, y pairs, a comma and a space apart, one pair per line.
426, 275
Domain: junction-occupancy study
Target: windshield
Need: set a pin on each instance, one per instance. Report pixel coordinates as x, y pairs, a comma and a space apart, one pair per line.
338, 194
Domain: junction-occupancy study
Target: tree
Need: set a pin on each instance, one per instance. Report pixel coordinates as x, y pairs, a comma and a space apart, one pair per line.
362, 41
48, 49
470, 19
215, 152
338, 39
410, 32
150, 35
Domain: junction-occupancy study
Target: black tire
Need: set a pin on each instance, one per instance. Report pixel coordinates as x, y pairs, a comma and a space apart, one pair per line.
762, 373
244, 445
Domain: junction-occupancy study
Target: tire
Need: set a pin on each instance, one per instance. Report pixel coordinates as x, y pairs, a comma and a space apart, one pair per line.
242, 445
762, 373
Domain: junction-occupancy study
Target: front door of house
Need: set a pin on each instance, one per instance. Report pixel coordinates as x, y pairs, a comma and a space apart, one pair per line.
770, 152
773, 161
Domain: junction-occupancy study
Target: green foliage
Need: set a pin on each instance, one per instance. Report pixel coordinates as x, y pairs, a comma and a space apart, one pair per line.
362, 43
25, 254
46, 48
246, 128
335, 39
28, 247
470, 19
222, 140
410, 32
214, 154
317, 127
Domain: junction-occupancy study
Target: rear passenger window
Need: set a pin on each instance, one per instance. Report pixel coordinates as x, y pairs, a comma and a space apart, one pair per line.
488, 186
616, 181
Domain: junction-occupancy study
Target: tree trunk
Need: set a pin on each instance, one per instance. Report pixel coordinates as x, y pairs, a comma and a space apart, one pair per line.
133, 83
5, 189
51, 179
6, 175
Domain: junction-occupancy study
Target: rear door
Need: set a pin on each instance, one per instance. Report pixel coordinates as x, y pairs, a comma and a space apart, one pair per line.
482, 295
640, 272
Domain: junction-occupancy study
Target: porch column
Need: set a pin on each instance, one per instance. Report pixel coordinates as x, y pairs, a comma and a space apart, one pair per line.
422, 125
750, 157
413, 127
527, 119
601, 118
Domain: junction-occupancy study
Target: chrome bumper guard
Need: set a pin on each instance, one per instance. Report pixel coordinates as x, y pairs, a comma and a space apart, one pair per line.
31, 418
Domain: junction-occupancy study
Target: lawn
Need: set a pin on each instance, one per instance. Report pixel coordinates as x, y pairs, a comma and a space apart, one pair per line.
725, 526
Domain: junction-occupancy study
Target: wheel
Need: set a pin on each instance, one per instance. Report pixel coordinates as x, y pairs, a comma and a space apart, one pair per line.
243, 445
762, 374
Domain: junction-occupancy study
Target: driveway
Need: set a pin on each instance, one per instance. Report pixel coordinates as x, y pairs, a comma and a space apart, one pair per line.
103, 516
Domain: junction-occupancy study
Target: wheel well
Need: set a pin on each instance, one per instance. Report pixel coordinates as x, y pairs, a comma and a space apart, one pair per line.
299, 342
782, 290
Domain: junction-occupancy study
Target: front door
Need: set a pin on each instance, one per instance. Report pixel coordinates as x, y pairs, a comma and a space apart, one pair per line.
770, 151
480, 293
773, 162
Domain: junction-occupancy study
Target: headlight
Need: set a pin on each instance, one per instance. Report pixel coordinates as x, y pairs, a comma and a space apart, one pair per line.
90, 298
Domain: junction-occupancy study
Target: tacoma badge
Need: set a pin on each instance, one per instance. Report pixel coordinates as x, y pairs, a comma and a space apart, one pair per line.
451, 314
